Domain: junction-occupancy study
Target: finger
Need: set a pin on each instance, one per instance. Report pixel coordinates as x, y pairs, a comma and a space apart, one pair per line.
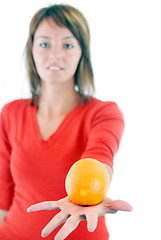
59, 219
70, 225
119, 205
49, 205
92, 220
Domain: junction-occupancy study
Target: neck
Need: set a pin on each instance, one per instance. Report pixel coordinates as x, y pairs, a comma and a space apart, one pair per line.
57, 100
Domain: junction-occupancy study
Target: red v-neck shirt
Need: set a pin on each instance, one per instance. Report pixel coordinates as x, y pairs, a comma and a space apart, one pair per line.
33, 170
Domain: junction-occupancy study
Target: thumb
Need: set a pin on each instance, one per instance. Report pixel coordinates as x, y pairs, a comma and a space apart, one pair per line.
119, 205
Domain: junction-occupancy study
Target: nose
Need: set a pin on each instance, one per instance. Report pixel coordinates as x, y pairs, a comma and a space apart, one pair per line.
56, 52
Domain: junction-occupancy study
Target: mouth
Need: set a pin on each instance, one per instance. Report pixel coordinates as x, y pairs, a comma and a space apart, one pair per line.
54, 68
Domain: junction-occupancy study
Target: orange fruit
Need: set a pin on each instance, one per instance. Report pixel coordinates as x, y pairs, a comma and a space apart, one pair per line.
87, 182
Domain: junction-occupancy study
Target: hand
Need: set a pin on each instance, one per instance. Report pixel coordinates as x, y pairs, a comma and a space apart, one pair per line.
72, 214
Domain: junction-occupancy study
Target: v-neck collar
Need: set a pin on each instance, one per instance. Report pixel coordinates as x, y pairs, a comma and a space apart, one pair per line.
36, 130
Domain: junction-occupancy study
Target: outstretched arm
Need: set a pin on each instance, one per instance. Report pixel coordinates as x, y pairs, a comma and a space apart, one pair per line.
110, 170
71, 214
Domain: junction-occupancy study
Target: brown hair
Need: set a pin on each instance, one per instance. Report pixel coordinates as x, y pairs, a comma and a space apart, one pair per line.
70, 17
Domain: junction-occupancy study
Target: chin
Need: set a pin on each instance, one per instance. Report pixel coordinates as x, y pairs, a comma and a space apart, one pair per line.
55, 81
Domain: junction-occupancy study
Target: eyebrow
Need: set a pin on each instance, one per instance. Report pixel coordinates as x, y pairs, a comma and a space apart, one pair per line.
68, 37
46, 37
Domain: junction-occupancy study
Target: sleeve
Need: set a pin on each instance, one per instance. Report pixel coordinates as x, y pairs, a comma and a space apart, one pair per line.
6, 181
105, 134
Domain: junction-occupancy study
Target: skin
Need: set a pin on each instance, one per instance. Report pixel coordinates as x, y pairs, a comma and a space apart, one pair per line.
71, 214
3, 213
56, 53
58, 87
55, 46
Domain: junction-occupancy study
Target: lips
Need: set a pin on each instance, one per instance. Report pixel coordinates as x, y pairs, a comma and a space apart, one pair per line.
54, 68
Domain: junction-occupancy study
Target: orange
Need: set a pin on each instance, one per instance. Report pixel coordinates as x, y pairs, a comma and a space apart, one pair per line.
87, 182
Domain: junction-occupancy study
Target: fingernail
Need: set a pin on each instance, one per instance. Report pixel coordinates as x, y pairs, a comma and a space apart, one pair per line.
44, 234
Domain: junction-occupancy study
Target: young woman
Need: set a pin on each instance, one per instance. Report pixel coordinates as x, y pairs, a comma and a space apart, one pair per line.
41, 137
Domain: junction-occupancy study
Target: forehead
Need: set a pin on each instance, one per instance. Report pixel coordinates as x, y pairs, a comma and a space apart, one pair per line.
48, 27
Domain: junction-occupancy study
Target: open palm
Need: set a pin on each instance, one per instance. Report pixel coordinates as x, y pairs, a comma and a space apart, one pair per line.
71, 214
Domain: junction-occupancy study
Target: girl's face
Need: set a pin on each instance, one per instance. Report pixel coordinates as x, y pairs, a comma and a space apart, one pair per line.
56, 53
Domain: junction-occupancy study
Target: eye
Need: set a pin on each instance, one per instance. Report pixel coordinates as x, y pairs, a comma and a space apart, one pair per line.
68, 46
44, 45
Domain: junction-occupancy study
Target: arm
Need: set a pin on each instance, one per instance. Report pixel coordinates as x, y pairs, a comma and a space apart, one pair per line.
6, 181
110, 171
104, 136
3, 213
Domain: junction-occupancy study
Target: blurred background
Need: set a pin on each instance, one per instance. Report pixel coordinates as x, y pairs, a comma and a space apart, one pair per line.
126, 57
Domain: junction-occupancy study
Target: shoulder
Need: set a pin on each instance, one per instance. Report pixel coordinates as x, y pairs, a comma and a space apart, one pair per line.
12, 113
15, 104
109, 109
14, 107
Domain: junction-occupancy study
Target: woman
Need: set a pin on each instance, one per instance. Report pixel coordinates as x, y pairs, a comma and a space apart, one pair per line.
43, 136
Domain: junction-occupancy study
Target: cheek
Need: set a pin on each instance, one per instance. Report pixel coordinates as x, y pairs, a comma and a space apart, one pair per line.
73, 64
75, 60
37, 56
79, 57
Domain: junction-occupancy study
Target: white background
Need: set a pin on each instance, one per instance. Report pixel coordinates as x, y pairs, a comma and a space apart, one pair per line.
126, 56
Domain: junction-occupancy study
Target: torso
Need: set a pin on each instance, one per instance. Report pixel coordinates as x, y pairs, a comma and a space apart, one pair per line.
39, 167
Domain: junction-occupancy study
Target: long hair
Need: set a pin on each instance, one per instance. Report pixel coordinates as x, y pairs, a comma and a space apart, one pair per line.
71, 18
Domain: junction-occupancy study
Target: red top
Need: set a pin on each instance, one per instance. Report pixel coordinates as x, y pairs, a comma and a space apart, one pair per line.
33, 170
